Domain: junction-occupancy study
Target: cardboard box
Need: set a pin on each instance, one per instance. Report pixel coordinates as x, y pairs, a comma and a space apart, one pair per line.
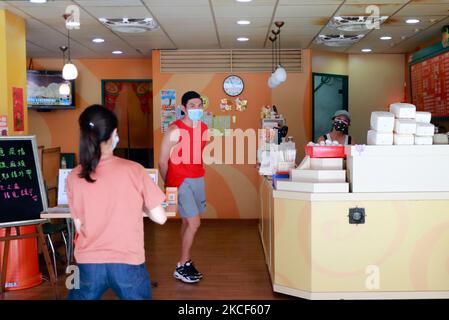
318, 175
288, 185
326, 163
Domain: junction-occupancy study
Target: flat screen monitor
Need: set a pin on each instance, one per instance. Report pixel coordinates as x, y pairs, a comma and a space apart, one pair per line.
44, 90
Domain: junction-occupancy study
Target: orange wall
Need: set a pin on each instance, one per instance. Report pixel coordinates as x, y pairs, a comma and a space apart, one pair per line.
60, 127
232, 190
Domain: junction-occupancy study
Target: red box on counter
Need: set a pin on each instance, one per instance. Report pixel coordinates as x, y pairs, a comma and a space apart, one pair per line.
326, 151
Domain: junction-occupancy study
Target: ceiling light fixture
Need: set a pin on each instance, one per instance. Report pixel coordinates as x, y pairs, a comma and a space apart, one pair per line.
244, 0
242, 39
366, 50
386, 38
69, 72
98, 40
412, 21
117, 52
243, 22
38, 1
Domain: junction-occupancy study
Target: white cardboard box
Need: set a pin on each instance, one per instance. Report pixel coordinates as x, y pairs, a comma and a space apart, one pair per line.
404, 139
379, 138
403, 110
405, 126
318, 175
288, 185
423, 116
382, 121
425, 129
326, 163
423, 140
398, 168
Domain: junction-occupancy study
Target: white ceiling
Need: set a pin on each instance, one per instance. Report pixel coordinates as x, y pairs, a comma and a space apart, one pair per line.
211, 24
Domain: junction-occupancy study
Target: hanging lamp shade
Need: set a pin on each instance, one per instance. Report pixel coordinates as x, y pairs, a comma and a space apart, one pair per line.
64, 89
69, 72
280, 74
272, 82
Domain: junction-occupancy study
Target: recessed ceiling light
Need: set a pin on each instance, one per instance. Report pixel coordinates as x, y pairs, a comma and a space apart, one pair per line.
244, 0
98, 40
38, 1
242, 39
386, 38
243, 22
117, 52
366, 50
412, 21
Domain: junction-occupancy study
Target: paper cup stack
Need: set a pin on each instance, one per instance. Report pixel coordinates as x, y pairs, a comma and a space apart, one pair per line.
401, 126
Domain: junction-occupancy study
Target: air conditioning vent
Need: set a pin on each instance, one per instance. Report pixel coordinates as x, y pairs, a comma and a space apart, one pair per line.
338, 40
356, 23
127, 25
225, 60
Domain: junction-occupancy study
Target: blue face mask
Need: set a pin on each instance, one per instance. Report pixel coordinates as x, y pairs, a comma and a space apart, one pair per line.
195, 114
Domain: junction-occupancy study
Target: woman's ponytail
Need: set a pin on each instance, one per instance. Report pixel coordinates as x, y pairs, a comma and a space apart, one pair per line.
96, 125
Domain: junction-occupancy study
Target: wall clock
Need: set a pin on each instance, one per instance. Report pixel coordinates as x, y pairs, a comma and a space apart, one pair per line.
233, 85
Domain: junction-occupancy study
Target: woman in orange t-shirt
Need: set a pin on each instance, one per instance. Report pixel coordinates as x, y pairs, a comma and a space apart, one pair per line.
107, 196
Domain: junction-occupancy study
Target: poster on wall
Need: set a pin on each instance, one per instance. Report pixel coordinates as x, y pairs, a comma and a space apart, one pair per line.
3, 126
168, 108
18, 108
222, 123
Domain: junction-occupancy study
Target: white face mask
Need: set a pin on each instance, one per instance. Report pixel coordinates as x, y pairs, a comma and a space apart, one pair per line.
115, 141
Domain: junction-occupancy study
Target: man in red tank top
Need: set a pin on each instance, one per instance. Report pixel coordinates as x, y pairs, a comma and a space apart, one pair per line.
181, 166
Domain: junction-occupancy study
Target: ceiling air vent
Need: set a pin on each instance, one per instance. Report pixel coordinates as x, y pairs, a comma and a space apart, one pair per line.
357, 23
338, 40
127, 25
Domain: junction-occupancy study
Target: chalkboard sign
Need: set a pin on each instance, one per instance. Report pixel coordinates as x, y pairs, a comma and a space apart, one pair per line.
22, 193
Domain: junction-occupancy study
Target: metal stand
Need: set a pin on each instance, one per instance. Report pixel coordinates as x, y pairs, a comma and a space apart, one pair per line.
39, 235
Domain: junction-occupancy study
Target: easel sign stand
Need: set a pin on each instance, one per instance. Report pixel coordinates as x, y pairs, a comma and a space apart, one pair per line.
22, 199
39, 235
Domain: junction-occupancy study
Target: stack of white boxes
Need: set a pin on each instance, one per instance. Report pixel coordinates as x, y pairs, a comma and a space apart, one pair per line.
316, 175
401, 126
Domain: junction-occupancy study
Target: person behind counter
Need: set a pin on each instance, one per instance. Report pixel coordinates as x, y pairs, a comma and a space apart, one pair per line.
106, 196
340, 127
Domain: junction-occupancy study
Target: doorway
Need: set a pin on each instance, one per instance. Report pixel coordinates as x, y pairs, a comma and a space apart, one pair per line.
132, 102
330, 93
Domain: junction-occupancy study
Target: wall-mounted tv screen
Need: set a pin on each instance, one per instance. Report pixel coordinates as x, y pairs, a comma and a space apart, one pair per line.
45, 91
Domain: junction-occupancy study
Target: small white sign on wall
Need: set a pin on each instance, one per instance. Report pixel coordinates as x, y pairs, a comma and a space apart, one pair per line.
62, 187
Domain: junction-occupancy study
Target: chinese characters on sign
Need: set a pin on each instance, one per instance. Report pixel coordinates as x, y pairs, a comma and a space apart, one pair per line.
430, 83
18, 111
11, 171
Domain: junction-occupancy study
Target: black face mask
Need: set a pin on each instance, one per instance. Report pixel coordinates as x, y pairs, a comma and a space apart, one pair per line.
341, 126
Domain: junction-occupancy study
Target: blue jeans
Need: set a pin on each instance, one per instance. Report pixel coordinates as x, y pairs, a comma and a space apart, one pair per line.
129, 282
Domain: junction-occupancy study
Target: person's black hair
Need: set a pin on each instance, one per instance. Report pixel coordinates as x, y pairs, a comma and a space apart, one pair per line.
96, 126
188, 96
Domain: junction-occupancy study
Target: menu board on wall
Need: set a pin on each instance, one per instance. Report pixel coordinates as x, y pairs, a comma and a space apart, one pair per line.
22, 193
430, 85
